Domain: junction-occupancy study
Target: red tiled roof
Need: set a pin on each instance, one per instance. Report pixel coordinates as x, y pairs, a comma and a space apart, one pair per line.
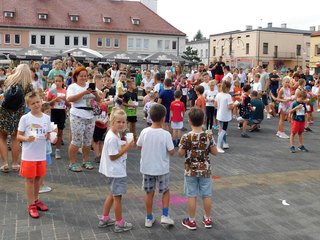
91, 13
315, 34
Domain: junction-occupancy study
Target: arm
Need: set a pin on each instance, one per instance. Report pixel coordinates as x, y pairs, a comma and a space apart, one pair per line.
171, 152
213, 149
123, 150
108, 72
181, 152
22, 138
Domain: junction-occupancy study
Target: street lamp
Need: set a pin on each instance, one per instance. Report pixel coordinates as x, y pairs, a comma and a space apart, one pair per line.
231, 40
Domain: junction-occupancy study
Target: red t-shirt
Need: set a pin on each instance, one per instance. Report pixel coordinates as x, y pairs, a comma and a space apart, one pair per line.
201, 102
177, 108
53, 93
102, 116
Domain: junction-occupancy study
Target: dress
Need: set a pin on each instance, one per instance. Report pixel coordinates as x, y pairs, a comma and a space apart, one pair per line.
9, 119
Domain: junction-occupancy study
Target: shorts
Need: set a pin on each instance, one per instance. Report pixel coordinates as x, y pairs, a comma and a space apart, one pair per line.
264, 99
99, 134
177, 125
81, 130
218, 77
297, 127
149, 183
117, 186
58, 116
198, 186
32, 169
132, 119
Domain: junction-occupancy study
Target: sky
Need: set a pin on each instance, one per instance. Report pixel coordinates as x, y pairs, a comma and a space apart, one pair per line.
212, 16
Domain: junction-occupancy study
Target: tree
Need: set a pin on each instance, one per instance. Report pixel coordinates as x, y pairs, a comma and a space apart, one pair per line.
191, 55
198, 36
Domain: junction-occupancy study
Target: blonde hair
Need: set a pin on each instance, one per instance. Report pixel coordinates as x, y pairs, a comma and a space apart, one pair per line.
116, 114
21, 75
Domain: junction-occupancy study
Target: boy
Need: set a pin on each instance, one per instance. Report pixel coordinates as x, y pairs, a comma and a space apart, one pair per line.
165, 98
147, 107
196, 146
130, 101
298, 112
256, 116
177, 109
200, 101
33, 131
156, 145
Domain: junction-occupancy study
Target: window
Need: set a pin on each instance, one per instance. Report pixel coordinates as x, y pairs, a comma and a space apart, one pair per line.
75, 41
265, 48
43, 16
108, 42
174, 45
138, 43
33, 39
166, 44
145, 43
159, 44
51, 40
17, 39
298, 50
42, 39
130, 42
214, 51
84, 41
206, 53
8, 14
222, 50
74, 18
107, 19
67, 40
247, 48
317, 47
135, 21
116, 43
275, 51
7, 38
201, 53
99, 42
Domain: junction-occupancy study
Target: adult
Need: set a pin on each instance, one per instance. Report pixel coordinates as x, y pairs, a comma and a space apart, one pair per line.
114, 73
82, 120
9, 119
228, 76
57, 70
265, 84
3, 75
308, 77
213, 70
242, 76
218, 68
154, 71
195, 81
45, 68
274, 82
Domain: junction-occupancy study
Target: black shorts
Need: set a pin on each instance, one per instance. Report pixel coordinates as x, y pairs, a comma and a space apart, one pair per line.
99, 134
58, 116
132, 119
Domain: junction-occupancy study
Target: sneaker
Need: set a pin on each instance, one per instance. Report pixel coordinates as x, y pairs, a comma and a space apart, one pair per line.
57, 154
292, 149
225, 146
40, 206
125, 227
189, 224
33, 212
268, 116
207, 222
166, 220
278, 133
307, 129
220, 150
318, 110
303, 149
149, 222
103, 224
45, 189
240, 119
283, 135
244, 135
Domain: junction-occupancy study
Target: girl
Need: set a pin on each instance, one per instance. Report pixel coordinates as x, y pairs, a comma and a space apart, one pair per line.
236, 98
113, 166
284, 97
210, 110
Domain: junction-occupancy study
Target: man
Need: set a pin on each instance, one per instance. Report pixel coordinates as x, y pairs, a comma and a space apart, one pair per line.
274, 82
265, 84
195, 81
218, 67
213, 71
242, 76
44, 71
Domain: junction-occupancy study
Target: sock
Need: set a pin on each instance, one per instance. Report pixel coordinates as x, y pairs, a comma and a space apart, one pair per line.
105, 218
150, 216
205, 217
165, 212
120, 222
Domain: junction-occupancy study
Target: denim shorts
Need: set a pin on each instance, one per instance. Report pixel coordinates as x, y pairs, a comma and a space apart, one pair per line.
197, 186
117, 186
149, 183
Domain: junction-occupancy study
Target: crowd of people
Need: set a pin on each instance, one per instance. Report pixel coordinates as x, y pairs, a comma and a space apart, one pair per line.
101, 107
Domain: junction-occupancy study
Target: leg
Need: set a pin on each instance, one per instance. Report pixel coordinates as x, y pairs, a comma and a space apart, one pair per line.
107, 205
15, 145
192, 205
281, 122
37, 183
165, 199
149, 202
117, 207
300, 139
30, 190
59, 138
292, 139
73, 151
3, 148
96, 149
207, 206
86, 153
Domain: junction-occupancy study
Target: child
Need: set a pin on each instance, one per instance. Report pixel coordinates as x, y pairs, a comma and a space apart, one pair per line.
210, 109
182, 86
284, 97
110, 92
200, 101
245, 109
205, 83
148, 106
165, 98
257, 115
298, 111
130, 101
236, 98
196, 146
120, 91
57, 99
177, 109
113, 166
33, 130
256, 86
310, 106
156, 145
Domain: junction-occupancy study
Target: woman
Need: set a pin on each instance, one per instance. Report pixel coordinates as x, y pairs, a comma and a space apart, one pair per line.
82, 120
114, 73
3, 74
9, 119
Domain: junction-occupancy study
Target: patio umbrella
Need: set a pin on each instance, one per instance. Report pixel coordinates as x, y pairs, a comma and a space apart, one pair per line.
163, 59
30, 53
119, 57
84, 54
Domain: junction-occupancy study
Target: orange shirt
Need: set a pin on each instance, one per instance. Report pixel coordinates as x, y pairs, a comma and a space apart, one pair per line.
237, 94
201, 102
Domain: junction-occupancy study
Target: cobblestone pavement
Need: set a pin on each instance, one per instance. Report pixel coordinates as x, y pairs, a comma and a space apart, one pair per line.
250, 181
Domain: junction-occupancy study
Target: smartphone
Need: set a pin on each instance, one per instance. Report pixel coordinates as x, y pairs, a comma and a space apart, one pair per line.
92, 86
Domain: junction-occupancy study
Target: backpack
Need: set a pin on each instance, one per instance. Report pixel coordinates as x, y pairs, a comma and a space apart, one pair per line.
13, 98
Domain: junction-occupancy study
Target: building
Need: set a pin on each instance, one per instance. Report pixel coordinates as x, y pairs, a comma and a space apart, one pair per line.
315, 52
271, 47
102, 25
203, 49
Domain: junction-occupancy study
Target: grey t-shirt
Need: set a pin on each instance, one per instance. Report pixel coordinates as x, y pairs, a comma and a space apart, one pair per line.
264, 77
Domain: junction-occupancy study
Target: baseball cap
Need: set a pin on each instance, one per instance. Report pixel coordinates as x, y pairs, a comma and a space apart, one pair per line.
308, 88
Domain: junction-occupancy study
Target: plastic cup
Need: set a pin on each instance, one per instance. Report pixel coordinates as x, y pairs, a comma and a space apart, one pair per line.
129, 137
254, 108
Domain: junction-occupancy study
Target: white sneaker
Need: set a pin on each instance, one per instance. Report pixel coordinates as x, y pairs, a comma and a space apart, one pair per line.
57, 154
166, 220
283, 135
45, 189
225, 146
240, 119
278, 134
148, 223
318, 110
268, 116
220, 150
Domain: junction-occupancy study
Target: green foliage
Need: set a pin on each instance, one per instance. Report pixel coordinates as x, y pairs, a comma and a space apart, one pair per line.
198, 36
191, 55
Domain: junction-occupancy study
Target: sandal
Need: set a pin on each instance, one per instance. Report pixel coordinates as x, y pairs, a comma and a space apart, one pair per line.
87, 165
75, 167
4, 168
16, 167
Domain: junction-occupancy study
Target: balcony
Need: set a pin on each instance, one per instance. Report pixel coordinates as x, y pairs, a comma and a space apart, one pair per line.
285, 55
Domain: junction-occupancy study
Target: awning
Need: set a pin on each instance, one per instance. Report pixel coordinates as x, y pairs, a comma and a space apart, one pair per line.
84, 54
30, 53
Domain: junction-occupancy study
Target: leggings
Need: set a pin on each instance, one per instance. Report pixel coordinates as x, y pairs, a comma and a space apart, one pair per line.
222, 134
209, 115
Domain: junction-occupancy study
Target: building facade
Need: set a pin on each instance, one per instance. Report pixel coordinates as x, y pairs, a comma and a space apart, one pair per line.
315, 52
202, 46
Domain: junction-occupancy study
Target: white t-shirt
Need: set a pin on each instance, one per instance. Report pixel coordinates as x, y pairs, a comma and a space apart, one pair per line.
256, 86
205, 86
86, 101
155, 143
224, 114
148, 83
157, 88
210, 96
147, 108
111, 146
115, 74
38, 127
229, 77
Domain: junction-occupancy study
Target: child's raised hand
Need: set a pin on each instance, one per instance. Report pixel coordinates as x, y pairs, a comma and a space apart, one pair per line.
30, 138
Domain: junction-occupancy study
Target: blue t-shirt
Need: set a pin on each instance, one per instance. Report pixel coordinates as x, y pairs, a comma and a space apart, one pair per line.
45, 68
167, 96
299, 114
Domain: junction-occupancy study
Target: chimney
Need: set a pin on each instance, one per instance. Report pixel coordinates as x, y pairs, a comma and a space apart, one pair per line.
270, 25
312, 28
248, 27
283, 25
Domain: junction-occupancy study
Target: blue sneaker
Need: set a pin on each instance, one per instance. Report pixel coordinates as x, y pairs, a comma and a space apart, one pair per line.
292, 149
303, 149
